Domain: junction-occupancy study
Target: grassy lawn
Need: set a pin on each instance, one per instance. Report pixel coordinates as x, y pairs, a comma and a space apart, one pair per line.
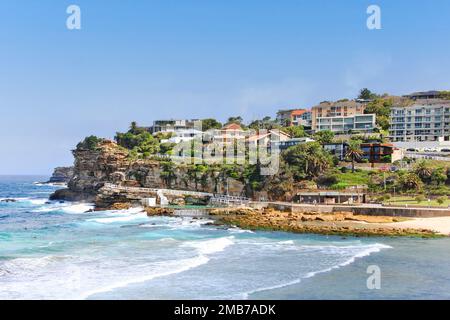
353, 179
411, 201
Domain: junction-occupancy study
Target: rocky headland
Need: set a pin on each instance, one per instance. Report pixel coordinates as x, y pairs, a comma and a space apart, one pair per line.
109, 163
109, 177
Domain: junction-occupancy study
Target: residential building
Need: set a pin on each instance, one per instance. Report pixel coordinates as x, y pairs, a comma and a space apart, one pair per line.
228, 133
425, 120
381, 152
433, 94
182, 135
345, 124
338, 149
283, 145
303, 119
343, 108
266, 139
172, 125
292, 117
342, 117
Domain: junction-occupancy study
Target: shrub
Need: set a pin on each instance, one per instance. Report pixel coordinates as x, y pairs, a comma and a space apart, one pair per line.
420, 198
327, 180
89, 143
441, 200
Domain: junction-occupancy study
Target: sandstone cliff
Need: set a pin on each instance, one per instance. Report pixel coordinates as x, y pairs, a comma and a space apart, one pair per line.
61, 175
110, 163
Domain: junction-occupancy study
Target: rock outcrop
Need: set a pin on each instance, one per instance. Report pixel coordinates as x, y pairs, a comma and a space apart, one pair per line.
110, 163
61, 175
339, 223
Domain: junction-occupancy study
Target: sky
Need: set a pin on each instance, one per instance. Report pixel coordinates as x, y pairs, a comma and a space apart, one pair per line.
144, 60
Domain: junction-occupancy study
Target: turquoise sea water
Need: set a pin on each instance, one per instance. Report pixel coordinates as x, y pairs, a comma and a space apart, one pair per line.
53, 250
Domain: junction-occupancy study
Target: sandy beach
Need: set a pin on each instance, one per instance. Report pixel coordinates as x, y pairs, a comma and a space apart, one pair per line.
439, 224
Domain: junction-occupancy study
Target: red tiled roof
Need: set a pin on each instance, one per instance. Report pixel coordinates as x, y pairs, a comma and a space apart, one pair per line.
298, 112
232, 126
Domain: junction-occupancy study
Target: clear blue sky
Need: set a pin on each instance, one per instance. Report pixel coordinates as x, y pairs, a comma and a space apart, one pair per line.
145, 60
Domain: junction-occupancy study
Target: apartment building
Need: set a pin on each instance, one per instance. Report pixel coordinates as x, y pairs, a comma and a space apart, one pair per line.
342, 116
293, 117
432, 94
425, 120
172, 125
346, 124
303, 119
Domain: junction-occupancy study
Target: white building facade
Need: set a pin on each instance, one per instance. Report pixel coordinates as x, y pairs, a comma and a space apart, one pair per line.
344, 124
423, 121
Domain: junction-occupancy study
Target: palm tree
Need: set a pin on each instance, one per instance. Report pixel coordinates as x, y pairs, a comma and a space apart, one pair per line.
354, 152
168, 173
410, 181
423, 170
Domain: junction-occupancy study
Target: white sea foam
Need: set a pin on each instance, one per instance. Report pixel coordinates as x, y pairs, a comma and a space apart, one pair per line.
78, 208
166, 270
137, 216
366, 250
238, 230
16, 199
38, 201
205, 247
121, 216
50, 184
24, 265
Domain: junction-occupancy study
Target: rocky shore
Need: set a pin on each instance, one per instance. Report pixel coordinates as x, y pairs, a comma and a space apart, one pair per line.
61, 175
340, 223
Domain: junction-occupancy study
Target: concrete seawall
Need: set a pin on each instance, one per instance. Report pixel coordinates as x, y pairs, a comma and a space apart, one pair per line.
370, 210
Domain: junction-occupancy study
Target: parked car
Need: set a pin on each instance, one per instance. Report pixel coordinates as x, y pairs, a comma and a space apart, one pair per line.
445, 150
412, 150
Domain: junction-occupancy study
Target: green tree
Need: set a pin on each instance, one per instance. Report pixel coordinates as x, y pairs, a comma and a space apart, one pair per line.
438, 176
381, 107
209, 123
139, 140
441, 200
166, 147
323, 137
237, 120
423, 170
294, 131
366, 94
444, 95
168, 173
307, 160
266, 123
354, 152
89, 143
410, 181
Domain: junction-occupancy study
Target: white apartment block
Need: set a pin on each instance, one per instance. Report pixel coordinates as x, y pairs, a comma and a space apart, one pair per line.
345, 124
423, 121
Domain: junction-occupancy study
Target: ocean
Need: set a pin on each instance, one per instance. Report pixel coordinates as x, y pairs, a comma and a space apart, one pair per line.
55, 250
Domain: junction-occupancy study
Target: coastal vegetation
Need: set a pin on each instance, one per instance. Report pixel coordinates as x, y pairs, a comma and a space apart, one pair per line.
89, 143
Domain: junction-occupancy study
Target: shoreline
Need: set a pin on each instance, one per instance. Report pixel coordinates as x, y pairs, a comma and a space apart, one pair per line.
341, 224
